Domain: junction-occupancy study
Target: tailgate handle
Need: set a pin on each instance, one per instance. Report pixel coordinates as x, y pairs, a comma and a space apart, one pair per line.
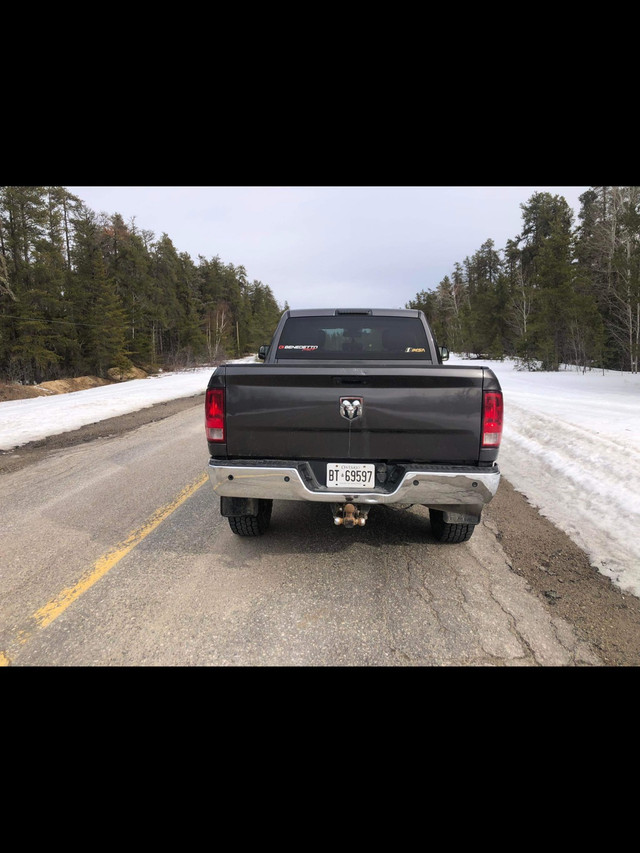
349, 380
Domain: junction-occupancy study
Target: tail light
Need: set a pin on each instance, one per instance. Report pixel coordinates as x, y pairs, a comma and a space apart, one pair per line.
492, 419
214, 414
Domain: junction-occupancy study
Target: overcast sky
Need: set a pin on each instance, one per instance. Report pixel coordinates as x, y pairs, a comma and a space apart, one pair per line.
326, 246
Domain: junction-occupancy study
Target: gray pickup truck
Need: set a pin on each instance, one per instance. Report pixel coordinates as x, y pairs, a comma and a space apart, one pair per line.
353, 408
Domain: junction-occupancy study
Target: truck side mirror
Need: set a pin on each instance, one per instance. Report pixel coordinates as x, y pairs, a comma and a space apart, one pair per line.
444, 353
262, 352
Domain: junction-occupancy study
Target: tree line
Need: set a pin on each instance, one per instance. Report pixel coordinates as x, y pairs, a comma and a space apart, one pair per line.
81, 293
558, 293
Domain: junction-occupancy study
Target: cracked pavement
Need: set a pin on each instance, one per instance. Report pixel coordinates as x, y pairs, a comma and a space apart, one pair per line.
519, 593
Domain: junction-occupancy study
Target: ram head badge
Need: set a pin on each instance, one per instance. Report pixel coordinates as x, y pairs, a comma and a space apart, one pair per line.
351, 407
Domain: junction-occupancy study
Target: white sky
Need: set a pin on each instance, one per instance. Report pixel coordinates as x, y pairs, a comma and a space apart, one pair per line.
329, 246
570, 444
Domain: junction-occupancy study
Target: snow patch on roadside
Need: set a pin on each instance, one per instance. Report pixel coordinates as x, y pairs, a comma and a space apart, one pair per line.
571, 444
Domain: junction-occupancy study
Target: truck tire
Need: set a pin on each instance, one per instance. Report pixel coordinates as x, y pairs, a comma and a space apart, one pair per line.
449, 533
252, 525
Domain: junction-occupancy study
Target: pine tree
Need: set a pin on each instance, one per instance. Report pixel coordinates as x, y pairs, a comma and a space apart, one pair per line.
167, 312
546, 261
97, 308
106, 323
188, 336
30, 342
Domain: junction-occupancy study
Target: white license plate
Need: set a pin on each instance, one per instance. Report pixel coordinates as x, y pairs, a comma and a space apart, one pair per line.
345, 474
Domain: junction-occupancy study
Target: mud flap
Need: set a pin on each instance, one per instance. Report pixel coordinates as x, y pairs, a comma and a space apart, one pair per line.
239, 506
460, 518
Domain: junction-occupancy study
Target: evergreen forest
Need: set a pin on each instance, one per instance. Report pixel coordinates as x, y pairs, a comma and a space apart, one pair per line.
558, 293
81, 293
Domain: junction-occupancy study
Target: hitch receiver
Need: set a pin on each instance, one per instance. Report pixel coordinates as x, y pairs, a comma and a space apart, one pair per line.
349, 515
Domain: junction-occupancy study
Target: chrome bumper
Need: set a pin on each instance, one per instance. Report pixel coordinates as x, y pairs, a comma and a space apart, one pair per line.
433, 486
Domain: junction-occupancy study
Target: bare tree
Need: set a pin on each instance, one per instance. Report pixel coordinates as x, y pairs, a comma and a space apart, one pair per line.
4, 280
219, 322
520, 306
619, 239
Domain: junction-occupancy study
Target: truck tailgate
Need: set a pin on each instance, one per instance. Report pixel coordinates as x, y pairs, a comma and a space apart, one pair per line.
422, 413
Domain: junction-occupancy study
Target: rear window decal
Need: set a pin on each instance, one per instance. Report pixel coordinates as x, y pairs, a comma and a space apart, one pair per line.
304, 347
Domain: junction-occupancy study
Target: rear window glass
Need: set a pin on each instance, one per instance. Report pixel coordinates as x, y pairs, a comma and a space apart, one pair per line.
354, 337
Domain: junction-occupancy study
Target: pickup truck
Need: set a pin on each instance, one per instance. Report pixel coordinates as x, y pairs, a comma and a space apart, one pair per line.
354, 408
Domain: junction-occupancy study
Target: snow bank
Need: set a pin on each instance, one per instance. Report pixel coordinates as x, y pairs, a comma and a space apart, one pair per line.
22, 421
571, 444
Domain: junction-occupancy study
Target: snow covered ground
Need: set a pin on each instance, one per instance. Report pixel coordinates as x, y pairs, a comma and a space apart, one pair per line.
22, 421
571, 444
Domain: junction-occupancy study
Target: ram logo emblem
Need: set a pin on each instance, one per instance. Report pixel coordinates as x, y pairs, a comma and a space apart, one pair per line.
351, 407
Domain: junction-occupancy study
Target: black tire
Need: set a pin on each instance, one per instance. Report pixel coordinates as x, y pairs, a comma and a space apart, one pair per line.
449, 533
252, 525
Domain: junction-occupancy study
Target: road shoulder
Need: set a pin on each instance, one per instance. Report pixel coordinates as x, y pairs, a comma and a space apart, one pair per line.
563, 578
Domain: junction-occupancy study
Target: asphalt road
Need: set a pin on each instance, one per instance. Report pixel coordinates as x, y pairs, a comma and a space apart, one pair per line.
114, 554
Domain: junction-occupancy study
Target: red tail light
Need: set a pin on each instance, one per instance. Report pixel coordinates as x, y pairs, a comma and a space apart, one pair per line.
492, 419
214, 414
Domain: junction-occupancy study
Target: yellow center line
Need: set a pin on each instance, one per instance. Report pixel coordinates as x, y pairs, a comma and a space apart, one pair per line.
47, 614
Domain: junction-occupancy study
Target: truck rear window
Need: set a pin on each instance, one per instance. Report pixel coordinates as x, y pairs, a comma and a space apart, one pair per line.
354, 337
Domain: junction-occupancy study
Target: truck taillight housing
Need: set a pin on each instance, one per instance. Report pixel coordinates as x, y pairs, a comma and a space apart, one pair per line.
492, 419
214, 414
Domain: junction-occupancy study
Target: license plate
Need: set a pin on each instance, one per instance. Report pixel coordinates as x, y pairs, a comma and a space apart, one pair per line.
342, 474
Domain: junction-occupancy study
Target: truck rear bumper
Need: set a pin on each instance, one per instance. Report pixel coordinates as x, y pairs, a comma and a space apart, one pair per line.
436, 486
